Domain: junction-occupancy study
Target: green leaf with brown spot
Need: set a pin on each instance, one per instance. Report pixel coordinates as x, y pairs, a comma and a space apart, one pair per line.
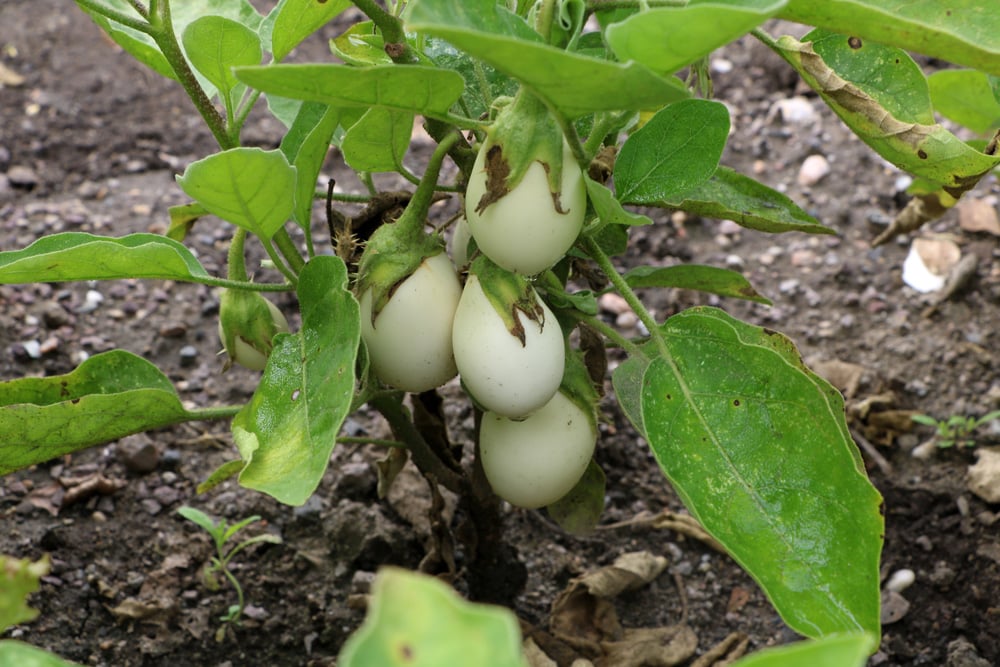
928, 151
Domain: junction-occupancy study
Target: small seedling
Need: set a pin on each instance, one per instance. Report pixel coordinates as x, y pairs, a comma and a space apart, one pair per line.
956, 430
221, 533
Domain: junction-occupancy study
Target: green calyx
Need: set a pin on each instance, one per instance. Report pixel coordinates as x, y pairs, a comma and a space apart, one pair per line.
391, 256
524, 132
397, 249
511, 295
248, 319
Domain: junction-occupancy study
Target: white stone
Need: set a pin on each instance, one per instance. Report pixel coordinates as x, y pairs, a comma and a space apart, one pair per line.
813, 169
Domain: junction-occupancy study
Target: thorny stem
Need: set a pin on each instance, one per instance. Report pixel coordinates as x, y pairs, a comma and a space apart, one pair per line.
623, 288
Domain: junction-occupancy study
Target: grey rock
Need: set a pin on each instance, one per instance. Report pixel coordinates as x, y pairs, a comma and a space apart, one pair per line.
22, 177
961, 653
138, 453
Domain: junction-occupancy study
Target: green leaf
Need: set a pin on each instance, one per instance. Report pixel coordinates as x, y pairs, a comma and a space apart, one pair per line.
692, 276
196, 516
287, 431
729, 195
108, 396
19, 579
757, 447
361, 45
669, 38
378, 141
416, 89
572, 83
249, 187
627, 381
18, 654
841, 650
418, 621
965, 96
215, 45
82, 256
886, 73
675, 151
142, 47
182, 219
297, 19
483, 83
306, 145
608, 208
966, 32
928, 151
580, 510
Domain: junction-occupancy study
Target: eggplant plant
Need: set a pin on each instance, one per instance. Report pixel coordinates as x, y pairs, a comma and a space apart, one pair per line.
558, 119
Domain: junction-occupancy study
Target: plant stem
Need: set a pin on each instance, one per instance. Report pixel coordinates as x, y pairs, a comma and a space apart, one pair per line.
221, 412
162, 32
391, 407
544, 19
236, 267
605, 5
392, 31
608, 332
118, 17
415, 215
378, 442
288, 249
623, 288
279, 263
239, 589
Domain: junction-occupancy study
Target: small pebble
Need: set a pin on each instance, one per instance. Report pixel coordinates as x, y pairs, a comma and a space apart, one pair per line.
613, 303
32, 348
49, 345
813, 169
151, 506
626, 320
22, 177
795, 110
900, 580
91, 302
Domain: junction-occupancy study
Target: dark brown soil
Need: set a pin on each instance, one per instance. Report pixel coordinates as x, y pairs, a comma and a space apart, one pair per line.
91, 141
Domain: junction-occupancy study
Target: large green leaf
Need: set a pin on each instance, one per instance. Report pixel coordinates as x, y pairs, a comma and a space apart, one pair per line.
249, 187
295, 20
842, 650
710, 279
378, 141
572, 83
288, 429
416, 89
966, 32
215, 45
678, 149
82, 256
928, 151
886, 73
418, 621
757, 446
729, 195
108, 396
965, 96
668, 38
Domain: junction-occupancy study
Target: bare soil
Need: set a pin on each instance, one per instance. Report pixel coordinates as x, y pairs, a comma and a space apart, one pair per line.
91, 141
